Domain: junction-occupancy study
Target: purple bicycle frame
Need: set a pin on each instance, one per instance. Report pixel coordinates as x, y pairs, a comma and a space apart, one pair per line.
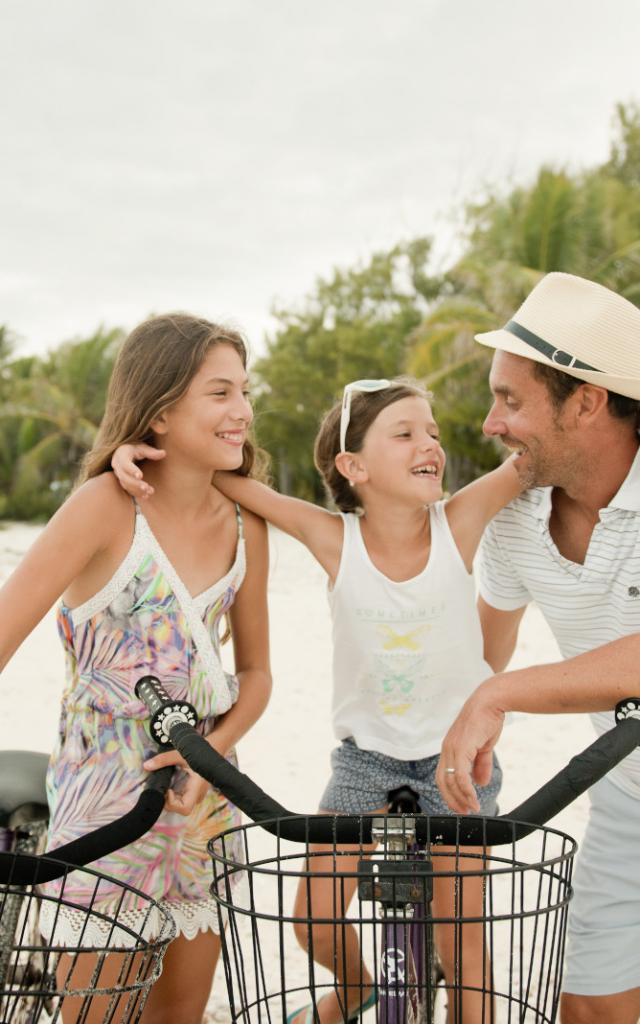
404, 978
398, 992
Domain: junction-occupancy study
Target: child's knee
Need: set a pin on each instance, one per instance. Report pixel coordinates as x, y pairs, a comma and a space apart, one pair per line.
449, 944
318, 938
301, 932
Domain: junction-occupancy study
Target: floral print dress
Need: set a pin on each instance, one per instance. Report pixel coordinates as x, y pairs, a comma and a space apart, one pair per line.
143, 621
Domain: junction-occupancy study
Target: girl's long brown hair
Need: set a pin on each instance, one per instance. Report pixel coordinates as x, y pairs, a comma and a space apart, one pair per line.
153, 369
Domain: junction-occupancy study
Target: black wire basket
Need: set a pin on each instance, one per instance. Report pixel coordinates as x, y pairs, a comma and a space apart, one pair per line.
85, 940
271, 944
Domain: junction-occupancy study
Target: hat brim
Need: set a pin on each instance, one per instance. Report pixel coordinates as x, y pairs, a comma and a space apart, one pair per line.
629, 386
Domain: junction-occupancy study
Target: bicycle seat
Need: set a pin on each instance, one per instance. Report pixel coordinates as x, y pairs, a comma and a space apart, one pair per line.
404, 800
22, 783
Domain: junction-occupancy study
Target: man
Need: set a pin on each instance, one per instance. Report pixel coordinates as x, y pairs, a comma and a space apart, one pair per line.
565, 380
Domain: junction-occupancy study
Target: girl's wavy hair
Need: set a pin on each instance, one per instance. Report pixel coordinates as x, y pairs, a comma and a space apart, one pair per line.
152, 371
365, 407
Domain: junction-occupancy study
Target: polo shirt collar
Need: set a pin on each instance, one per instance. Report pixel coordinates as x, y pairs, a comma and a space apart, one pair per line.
542, 506
627, 498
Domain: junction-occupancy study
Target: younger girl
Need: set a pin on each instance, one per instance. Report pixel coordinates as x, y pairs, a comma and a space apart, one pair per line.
407, 639
145, 593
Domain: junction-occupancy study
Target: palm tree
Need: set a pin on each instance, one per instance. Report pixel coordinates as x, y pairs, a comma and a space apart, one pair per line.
51, 411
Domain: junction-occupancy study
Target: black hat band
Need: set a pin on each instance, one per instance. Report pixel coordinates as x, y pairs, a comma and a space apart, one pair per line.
556, 355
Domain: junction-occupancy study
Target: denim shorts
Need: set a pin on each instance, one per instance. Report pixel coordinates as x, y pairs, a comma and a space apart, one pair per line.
361, 780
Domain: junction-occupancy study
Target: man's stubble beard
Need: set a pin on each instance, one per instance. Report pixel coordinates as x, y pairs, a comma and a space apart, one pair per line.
549, 465
561, 472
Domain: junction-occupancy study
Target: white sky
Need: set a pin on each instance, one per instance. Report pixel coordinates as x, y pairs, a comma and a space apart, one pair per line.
217, 155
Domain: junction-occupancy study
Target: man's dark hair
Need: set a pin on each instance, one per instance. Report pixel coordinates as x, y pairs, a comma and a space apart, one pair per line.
561, 386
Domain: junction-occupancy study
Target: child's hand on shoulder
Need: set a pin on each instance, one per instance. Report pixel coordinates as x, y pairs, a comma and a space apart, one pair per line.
128, 474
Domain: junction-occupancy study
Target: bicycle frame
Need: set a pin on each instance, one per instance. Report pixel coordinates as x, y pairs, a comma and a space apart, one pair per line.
403, 977
409, 945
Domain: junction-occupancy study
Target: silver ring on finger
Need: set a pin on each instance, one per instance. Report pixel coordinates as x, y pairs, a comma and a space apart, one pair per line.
450, 771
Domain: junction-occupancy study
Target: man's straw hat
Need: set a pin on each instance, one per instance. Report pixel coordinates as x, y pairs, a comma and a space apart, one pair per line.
578, 327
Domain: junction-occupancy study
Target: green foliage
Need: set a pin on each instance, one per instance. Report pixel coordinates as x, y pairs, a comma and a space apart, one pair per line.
624, 162
49, 414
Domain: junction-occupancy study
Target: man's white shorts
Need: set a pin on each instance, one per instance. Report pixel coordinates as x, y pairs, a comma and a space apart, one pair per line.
603, 953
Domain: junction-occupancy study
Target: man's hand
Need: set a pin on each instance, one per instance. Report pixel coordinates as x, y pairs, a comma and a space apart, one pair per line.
468, 749
191, 787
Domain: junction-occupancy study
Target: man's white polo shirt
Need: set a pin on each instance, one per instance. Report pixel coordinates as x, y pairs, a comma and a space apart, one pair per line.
585, 605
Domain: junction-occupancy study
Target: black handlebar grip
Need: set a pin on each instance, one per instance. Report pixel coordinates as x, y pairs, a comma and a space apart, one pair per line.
165, 711
151, 692
583, 771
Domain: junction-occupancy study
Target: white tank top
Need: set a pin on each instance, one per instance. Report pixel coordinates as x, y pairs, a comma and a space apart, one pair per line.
405, 655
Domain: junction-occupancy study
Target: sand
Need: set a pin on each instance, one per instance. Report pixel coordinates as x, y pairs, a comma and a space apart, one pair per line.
288, 750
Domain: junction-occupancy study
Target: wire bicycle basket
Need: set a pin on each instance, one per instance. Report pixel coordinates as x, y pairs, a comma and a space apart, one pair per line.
525, 889
85, 940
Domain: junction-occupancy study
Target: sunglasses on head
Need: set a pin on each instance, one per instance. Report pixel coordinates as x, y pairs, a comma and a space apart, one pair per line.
345, 415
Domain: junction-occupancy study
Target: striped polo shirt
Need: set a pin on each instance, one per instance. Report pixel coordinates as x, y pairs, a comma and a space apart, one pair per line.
585, 605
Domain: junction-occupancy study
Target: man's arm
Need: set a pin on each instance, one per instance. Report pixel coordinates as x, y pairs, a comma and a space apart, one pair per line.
500, 633
594, 681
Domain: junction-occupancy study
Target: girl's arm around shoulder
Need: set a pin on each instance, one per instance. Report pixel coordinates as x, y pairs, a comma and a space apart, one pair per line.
79, 532
471, 509
319, 530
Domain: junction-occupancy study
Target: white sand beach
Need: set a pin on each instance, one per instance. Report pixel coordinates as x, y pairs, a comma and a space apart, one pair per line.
288, 750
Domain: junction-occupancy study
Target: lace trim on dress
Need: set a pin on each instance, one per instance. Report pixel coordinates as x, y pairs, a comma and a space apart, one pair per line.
132, 560
75, 927
123, 574
199, 633
144, 542
194, 916
235, 575
72, 927
233, 578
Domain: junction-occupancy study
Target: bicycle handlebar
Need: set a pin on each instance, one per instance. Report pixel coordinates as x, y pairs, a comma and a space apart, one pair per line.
25, 869
176, 726
578, 775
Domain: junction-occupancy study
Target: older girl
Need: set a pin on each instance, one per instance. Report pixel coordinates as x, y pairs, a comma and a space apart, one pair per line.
145, 592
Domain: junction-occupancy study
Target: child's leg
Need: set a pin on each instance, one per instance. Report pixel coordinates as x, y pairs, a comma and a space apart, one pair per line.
462, 948
182, 990
336, 948
360, 780
88, 971
180, 994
